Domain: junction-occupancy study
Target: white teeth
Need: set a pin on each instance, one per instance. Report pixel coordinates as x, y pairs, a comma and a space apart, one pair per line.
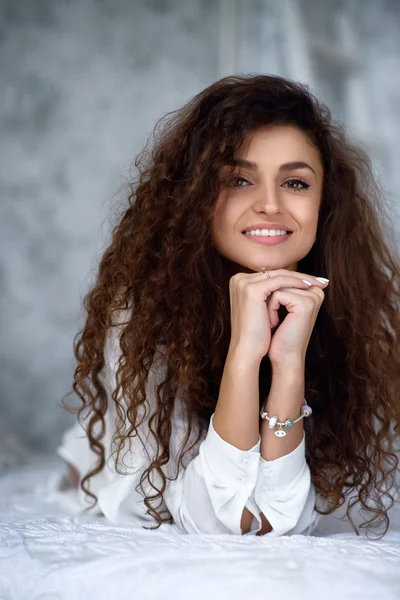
266, 232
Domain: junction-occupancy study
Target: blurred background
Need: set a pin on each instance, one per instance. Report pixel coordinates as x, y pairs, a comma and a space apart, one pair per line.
83, 83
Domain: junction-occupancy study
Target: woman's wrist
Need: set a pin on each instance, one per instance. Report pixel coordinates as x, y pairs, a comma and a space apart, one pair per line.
286, 395
242, 358
290, 369
284, 401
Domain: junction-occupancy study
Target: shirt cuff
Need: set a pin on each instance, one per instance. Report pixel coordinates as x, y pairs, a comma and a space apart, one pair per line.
282, 488
279, 473
230, 465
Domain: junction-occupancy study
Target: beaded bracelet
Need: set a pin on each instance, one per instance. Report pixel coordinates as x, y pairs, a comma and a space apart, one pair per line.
306, 411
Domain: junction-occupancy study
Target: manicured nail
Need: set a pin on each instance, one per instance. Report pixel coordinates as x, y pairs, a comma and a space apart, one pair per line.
307, 282
322, 279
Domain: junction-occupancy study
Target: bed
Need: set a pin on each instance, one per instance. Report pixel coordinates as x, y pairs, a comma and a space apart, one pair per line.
49, 554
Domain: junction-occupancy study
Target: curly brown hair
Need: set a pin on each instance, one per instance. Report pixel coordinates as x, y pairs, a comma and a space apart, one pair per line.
163, 266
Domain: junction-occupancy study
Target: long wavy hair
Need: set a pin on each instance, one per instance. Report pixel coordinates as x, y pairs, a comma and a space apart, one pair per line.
162, 264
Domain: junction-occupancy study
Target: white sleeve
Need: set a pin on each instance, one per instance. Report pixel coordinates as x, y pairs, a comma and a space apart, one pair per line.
215, 484
210, 494
285, 493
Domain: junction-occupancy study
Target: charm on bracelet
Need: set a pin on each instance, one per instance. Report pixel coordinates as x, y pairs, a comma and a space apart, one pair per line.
273, 421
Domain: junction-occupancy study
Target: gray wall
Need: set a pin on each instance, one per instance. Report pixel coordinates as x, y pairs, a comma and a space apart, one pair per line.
83, 83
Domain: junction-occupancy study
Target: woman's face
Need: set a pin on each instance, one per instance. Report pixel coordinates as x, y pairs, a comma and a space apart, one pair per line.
265, 191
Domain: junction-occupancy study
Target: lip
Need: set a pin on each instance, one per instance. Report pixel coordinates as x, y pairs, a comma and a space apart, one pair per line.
267, 240
279, 226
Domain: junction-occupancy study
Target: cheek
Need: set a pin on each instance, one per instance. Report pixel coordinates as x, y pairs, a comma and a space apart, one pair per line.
226, 216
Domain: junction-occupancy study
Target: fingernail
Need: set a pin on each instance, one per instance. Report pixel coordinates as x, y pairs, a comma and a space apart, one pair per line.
307, 282
322, 279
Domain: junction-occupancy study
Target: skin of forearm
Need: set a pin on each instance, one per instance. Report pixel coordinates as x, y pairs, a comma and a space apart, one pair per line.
236, 415
284, 400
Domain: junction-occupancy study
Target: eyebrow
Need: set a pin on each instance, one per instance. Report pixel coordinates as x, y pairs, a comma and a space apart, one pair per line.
290, 166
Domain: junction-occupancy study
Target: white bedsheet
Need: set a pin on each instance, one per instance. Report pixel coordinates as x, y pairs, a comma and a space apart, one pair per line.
46, 554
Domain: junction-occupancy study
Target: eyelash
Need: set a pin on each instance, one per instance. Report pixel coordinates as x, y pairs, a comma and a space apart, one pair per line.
304, 184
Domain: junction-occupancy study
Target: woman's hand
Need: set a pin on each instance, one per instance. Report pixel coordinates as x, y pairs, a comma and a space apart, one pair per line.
255, 300
291, 339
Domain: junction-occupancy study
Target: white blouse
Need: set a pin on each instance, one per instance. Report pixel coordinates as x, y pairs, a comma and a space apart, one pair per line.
218, 480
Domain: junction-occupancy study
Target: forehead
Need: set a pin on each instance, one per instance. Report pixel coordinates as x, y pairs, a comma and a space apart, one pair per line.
273, 142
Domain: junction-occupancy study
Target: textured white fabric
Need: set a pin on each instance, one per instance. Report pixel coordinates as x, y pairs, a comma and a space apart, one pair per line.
47, 554
210, 493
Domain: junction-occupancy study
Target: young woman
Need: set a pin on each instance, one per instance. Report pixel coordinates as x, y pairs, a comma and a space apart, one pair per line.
239, 367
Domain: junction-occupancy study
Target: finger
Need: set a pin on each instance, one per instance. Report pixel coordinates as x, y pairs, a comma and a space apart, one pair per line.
245, 283
279, 281
311, 278
284, 282
268, 285
289, 297
315, 290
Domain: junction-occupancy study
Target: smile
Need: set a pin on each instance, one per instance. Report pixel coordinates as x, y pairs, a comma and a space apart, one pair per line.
267, 240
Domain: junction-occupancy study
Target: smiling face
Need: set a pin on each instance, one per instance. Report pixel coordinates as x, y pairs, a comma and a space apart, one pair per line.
262, 191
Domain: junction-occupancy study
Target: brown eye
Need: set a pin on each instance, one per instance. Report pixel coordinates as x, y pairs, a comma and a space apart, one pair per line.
304, 185
236, 182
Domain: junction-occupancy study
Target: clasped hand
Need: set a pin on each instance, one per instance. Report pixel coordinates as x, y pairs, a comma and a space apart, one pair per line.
255, 301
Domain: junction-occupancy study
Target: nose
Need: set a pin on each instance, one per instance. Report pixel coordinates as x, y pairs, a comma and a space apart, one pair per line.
268, 200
